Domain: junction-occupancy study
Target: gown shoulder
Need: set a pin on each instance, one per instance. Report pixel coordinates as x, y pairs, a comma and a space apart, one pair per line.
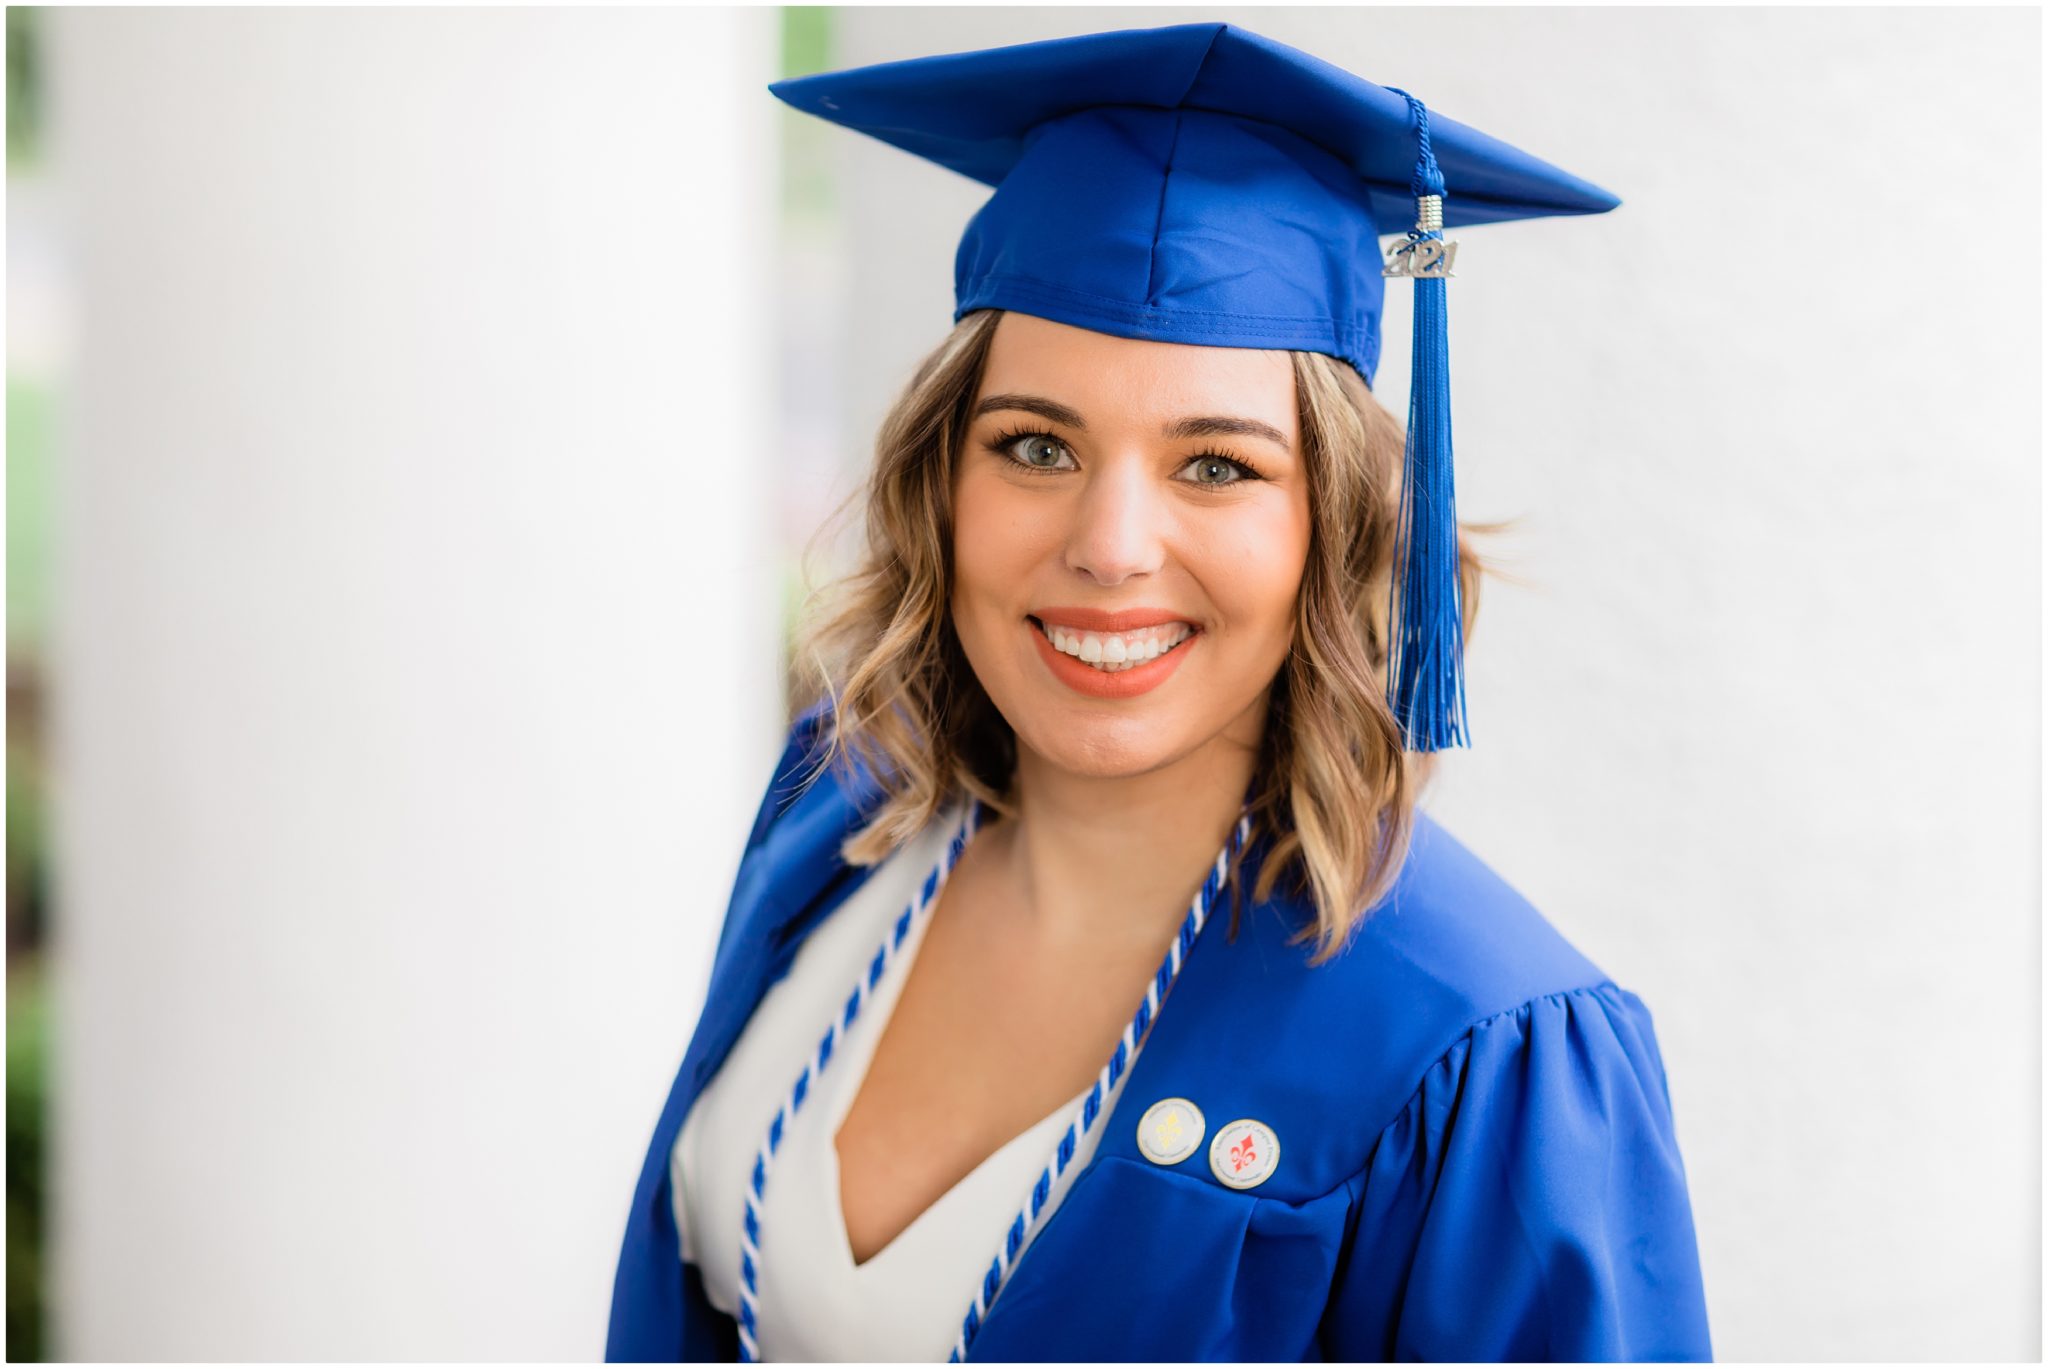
1511, 1156
1449, 946
1528, 1201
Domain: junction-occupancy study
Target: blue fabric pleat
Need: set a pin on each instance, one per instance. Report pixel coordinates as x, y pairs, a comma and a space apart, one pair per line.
1530, 1202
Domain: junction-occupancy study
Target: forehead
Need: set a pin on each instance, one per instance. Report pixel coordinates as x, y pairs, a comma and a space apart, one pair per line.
1100, 374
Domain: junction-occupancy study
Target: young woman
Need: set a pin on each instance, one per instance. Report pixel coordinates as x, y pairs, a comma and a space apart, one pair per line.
974, 1079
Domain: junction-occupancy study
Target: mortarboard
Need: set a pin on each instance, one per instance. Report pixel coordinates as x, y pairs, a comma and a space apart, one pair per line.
1202, 184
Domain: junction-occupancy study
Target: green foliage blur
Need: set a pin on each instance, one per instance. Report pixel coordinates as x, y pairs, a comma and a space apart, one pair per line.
27, 1200
28, 447
806, 142
24, 87
808, 204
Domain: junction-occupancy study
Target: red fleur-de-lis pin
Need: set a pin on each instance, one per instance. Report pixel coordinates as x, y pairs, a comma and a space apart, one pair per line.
1244, 1153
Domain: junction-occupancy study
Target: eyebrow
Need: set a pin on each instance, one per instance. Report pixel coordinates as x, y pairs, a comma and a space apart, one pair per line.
1205, 426
1238, 427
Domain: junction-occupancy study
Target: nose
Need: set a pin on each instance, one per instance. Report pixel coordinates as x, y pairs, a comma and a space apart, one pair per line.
1119, 524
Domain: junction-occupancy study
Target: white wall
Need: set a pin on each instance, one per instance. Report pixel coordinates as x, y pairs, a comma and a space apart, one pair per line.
416, 656
1763, 733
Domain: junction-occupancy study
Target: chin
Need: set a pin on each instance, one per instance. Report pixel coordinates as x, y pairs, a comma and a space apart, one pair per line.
1088, 743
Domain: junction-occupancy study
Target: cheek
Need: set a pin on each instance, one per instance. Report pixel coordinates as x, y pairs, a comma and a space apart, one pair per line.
1253, 568
994, 540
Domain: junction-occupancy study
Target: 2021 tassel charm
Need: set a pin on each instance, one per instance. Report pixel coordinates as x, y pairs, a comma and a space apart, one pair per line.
1425, 659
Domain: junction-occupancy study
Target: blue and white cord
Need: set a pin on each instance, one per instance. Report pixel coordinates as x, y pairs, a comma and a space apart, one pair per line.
1028, 1215
1126, 1055
750, 1253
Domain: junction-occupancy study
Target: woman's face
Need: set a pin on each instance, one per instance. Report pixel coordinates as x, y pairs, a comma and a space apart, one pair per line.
1136, 500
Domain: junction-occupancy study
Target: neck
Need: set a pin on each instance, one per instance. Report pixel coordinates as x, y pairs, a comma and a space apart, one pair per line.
1113, 863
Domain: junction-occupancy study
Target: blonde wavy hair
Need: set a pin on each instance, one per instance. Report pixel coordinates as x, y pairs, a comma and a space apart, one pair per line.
1332, 787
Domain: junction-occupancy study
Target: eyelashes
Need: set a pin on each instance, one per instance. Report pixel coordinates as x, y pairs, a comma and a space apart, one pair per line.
1004, 441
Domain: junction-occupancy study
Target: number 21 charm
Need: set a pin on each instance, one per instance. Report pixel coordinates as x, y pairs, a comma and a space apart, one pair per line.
1420, 257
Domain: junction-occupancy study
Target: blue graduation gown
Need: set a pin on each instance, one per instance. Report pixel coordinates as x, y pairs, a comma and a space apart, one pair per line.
1478, 1160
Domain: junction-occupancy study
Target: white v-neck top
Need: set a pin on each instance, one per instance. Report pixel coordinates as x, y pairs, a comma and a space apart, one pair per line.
907, 1302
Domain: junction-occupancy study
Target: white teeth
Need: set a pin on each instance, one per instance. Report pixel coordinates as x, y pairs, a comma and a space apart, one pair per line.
1112, 652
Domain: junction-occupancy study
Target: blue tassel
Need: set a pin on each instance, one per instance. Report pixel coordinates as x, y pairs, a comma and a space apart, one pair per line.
1425, 664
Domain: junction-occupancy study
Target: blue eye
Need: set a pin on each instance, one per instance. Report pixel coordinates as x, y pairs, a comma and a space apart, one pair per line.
1221, 465
1034, 451
1043, 453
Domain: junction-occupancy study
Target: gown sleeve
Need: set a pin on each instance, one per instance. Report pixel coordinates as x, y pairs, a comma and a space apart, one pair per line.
1529, 1202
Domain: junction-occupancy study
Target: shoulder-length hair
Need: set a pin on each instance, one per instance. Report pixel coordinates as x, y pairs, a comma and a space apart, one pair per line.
1333, 790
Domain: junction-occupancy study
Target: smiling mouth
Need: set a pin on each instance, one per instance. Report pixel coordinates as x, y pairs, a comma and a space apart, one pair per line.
1081, 646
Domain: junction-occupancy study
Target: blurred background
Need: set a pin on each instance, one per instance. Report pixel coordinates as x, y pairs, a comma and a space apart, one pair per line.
419, 428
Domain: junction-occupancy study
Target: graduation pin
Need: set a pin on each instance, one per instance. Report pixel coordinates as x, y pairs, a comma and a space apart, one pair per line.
1170, 1131
1244, 1153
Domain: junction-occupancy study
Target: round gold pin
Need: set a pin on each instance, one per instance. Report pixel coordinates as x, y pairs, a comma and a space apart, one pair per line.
1170, 1131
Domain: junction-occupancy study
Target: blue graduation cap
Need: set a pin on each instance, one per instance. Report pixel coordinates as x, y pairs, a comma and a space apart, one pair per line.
1201, 184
